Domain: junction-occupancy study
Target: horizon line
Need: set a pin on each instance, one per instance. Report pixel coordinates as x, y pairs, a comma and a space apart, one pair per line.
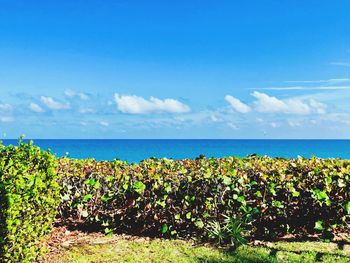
193, 139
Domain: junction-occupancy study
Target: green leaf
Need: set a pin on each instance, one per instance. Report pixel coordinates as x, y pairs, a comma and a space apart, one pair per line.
252, 183
347, 208
97, 185
206, 215
329, 179
226, 180
91, 182
319, 225
320, 195
167, 187
199, 224
87, 197
105, 198
108, 232
258, 194
165, 228
255, 211
240, 199
296, 194
161, 203
277, 204
139, 187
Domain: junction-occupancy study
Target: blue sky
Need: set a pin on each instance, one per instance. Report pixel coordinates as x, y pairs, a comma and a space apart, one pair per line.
181, 69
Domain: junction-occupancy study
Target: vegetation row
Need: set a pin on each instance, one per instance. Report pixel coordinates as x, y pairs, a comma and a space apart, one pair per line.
227, 200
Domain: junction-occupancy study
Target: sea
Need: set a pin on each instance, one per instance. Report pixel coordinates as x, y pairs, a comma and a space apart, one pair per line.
135, 150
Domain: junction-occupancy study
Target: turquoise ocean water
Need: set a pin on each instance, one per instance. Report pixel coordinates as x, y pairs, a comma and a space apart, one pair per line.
137, 150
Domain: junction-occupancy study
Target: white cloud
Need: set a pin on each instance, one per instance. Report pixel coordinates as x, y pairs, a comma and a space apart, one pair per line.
138, 105
237, 105
35, 107
319, 107
343, 118
274, 125
266, 103
54, 105
104, 123
308, 88
328, 81
232, 126
83, 96
71, 94
270, 104
5, 107
215, 118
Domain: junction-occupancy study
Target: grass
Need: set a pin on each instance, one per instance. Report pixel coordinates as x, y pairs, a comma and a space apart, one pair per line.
119, 249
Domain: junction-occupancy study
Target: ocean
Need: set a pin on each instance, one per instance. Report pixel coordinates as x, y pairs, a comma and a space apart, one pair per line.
137, 150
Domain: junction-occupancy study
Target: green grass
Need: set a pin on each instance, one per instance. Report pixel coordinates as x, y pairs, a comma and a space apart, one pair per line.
140, 250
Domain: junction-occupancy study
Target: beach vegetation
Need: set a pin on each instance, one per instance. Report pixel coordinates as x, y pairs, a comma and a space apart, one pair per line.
229, 201
29, 197
185, 198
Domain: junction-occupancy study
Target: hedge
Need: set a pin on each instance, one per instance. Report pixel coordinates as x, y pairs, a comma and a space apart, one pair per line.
179, 198
29, 196
162, 197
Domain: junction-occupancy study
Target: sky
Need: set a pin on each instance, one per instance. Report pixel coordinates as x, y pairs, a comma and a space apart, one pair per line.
175, 69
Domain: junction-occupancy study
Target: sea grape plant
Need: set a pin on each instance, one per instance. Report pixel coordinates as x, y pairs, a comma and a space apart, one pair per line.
197, 198
180, 197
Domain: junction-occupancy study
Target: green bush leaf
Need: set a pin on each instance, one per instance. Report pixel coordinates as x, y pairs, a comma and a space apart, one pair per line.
319, 225
87, 197
165, 228
347, 208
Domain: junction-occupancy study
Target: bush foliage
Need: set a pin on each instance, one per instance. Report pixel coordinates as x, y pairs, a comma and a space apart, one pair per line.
29, 196
216, 198
180, 198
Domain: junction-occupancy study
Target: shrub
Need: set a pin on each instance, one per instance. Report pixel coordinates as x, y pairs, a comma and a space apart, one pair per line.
178, 198
29, 196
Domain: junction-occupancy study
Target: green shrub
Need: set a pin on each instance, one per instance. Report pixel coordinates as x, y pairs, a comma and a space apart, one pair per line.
178, 198
29, 196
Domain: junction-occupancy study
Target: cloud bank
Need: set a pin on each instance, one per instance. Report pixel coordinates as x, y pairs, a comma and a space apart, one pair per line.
237, 105
265, 103
72, 94
35, 108
137, 105
53, 104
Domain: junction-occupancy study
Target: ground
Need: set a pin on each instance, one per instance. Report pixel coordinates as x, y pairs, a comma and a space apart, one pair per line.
67, 246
